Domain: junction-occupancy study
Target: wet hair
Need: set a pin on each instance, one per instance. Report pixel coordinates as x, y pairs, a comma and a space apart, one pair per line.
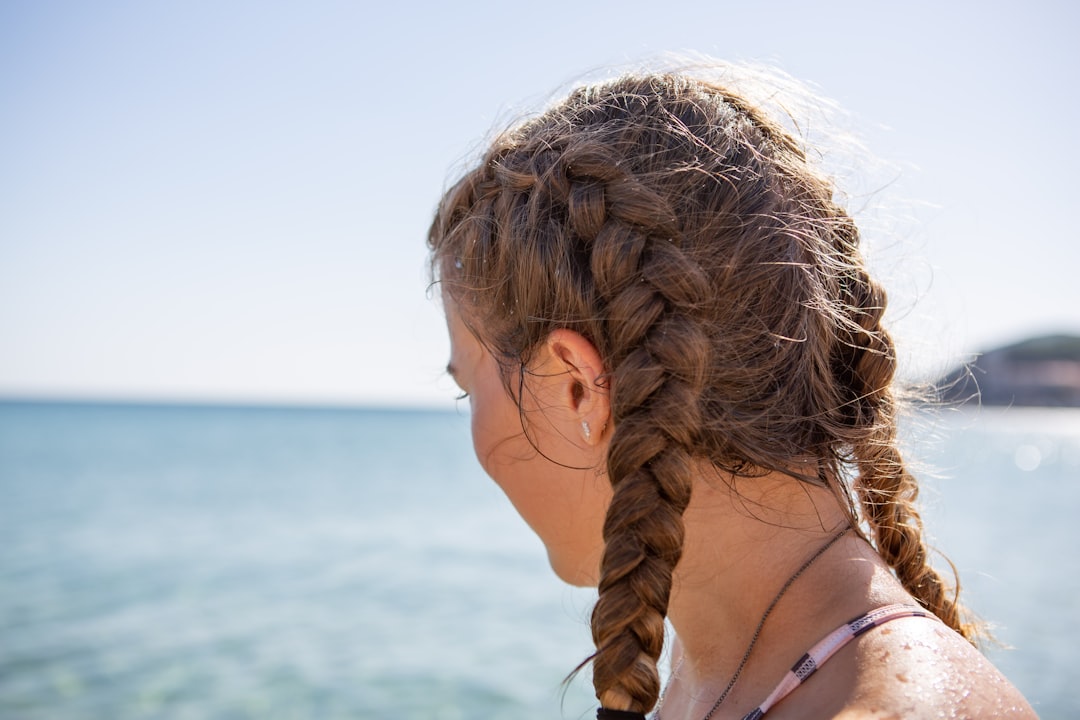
688, 237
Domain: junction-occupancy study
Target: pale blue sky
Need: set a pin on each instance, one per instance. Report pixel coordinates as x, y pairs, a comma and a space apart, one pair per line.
228, 200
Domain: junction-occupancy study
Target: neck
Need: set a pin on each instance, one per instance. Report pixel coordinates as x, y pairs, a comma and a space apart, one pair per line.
745, 539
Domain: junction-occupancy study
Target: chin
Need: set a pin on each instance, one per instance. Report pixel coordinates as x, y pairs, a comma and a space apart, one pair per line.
576, 574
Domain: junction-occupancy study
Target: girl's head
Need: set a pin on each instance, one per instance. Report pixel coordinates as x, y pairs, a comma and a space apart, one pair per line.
673, 228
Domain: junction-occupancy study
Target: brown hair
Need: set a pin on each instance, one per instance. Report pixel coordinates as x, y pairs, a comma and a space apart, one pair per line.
686, 235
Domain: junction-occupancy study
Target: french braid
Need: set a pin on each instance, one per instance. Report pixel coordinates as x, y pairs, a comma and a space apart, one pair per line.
685, 235
652, 294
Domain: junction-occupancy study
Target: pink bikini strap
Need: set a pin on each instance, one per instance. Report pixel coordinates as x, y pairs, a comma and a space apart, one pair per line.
825, 649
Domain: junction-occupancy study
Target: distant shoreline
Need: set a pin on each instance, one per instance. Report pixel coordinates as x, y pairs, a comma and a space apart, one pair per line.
1042, 371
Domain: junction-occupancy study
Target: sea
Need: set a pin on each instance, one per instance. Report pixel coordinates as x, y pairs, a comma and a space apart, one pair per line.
198, 562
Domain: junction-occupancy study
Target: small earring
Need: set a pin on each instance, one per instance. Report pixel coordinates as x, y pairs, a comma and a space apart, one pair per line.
585, 428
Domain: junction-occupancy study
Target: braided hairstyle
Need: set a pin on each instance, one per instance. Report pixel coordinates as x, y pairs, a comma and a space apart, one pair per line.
685, 235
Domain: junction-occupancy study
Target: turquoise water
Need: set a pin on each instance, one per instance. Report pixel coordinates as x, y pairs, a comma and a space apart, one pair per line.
192, 562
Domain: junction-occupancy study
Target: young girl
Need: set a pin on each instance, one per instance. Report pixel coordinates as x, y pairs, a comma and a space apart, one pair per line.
677, 373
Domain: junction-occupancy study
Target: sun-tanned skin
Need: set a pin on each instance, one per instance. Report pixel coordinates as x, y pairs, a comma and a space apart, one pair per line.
743, 540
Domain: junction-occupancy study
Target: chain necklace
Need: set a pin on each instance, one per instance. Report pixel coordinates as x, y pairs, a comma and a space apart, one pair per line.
757, 631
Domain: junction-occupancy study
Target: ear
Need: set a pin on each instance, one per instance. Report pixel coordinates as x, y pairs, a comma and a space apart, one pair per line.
579, 374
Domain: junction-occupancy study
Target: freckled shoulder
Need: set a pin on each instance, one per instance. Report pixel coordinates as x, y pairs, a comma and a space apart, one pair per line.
909, 669
915, 668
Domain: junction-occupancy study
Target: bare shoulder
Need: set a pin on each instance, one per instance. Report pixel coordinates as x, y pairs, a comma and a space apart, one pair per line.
923, 668
911, 668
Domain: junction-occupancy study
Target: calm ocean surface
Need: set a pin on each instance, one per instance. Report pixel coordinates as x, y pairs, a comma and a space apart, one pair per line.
197, 562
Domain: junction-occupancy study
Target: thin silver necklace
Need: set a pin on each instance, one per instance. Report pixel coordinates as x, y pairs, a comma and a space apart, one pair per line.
757, 631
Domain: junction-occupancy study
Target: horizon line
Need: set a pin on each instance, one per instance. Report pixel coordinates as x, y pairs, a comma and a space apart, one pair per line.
224, 403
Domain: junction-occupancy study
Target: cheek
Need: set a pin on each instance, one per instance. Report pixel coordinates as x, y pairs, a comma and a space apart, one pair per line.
484, 445
496, 430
